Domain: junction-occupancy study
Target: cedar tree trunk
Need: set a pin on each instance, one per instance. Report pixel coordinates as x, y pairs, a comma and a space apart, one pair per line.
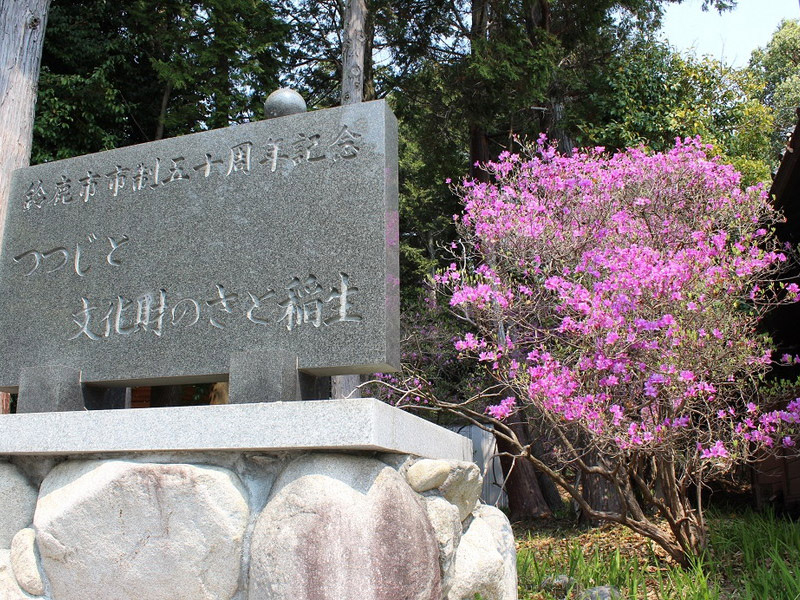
22, 25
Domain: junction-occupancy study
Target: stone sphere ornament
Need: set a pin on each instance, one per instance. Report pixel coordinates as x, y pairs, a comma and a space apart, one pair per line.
283, 102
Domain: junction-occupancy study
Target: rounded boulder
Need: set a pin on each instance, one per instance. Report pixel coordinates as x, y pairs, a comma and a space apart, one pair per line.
141, 531
486, 558
24, 563
9, 589
18, 500
338, 526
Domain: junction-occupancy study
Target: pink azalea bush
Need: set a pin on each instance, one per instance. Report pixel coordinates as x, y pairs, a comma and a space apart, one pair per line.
617, 299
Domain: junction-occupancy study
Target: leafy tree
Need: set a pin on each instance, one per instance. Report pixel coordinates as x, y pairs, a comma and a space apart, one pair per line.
493, 70
649, 94
776, 69
432, 149
123, 73
79, 109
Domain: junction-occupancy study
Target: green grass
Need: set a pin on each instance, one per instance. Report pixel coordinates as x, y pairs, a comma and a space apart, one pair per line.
752, 556
761, 552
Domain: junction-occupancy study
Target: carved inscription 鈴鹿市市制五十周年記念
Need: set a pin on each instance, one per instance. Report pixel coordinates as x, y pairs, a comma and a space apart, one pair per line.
163, 171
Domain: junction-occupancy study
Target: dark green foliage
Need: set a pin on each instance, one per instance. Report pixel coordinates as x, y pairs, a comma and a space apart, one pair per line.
117, 73
314, 61
80, 106
432, 150
631, 98
776, 70
465, 77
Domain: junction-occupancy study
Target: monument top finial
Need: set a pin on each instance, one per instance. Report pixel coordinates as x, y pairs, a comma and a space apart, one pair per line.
283, 102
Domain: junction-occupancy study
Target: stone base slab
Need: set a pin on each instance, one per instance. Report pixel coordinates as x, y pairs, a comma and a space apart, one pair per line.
351, 424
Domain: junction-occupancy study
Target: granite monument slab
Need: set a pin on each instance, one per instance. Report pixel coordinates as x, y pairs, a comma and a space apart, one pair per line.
157, 263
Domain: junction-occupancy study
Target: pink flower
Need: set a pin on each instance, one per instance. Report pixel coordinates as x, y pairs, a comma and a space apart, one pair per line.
717, 450
504, 409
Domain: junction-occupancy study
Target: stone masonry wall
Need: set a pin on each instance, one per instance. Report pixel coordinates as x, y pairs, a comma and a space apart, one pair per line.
248, 526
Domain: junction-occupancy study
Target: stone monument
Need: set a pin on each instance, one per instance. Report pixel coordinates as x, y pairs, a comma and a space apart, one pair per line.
264, 253
242, 251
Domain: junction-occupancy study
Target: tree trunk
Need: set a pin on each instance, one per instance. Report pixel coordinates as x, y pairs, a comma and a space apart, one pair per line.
221, 117
599, 493
22, 25
369, 39
353, 51
555, 129
525, 498
345, 386
537, 17
162, 114
478, 136
478, 152
224, 99
546, 485
480, 18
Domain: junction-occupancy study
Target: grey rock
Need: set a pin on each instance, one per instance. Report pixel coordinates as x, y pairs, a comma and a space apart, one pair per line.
486, 559
34, 467
18, 501
50, 388
339, 527
9, 590
141, 531
463, 486
603, 592
399, 462
24, 562
153, 264
256, 376
427, 474
447, 526
559, 585
283, 102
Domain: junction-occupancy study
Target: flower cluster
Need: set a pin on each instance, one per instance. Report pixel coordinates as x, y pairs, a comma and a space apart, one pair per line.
621, 295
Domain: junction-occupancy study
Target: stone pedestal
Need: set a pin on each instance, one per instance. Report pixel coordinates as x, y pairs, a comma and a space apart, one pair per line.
329, 500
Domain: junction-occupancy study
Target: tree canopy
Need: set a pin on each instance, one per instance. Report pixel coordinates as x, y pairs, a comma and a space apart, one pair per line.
467, 80
115, 73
